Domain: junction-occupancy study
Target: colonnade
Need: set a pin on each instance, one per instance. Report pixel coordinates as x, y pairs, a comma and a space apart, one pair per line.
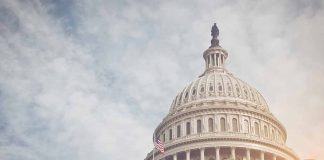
214, 60
217, 156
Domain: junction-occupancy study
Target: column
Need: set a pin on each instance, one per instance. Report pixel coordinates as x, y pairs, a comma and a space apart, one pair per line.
174, 130
202, 153
183, 129
206, 62
203, 126
261, 155
188, 155
175, 156
193, 125
214, 60
240, 123
274, 157
217, 153
248, 155
233, 152
216, 123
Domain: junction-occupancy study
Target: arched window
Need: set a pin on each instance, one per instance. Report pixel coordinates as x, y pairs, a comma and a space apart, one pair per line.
210, 125
211, 87
186, 95
246, 126
170, 134
163, 137
234, 125
237, 90
194, 92
273, 134
265, 131
188, 128
257, 128
199, 126
202, 89
229, 88
222, 124
245, 93
220, 88
178, 131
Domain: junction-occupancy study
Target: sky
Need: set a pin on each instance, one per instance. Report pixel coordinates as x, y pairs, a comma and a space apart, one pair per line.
92, 79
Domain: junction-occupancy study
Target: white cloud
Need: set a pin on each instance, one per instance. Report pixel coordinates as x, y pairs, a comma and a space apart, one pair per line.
91, 80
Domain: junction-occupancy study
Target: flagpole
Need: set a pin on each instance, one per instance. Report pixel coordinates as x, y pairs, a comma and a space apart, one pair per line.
153, 144
153, 153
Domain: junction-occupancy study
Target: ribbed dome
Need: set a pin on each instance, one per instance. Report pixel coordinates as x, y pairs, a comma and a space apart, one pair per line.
219, 86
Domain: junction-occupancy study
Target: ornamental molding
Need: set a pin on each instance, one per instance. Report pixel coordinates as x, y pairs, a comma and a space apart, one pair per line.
194, 111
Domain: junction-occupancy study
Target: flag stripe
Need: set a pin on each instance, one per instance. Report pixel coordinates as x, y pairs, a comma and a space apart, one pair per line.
159, 145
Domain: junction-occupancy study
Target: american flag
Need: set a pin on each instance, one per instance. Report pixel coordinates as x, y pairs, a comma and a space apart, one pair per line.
158, 144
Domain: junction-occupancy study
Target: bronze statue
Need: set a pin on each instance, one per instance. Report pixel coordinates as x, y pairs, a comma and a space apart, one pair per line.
214, 31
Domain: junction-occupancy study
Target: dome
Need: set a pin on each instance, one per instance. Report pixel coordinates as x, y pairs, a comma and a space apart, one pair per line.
219, 86
220, 117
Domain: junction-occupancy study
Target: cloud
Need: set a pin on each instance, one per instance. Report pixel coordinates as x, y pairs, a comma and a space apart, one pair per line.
91, 80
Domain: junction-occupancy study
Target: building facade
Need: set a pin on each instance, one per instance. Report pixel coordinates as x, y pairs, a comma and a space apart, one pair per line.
220, 117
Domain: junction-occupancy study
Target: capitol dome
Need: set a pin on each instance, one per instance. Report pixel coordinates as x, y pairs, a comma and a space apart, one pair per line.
219, 86
220, 117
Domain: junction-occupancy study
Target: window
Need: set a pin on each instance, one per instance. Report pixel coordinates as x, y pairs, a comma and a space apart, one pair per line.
245, 93
210, 125
222, 122
211, 88
273, 134
163, 137
220, 88
178, 131
234, 125
194, 92
202, 89
170, 134
199, 126
265, 131
246, 126
257, 129
229, 88
188, 128
237, 90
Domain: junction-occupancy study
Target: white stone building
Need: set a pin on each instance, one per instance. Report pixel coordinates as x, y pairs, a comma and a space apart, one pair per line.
218, 116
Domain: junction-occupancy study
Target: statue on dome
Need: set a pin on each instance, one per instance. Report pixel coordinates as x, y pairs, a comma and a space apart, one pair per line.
215, 31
